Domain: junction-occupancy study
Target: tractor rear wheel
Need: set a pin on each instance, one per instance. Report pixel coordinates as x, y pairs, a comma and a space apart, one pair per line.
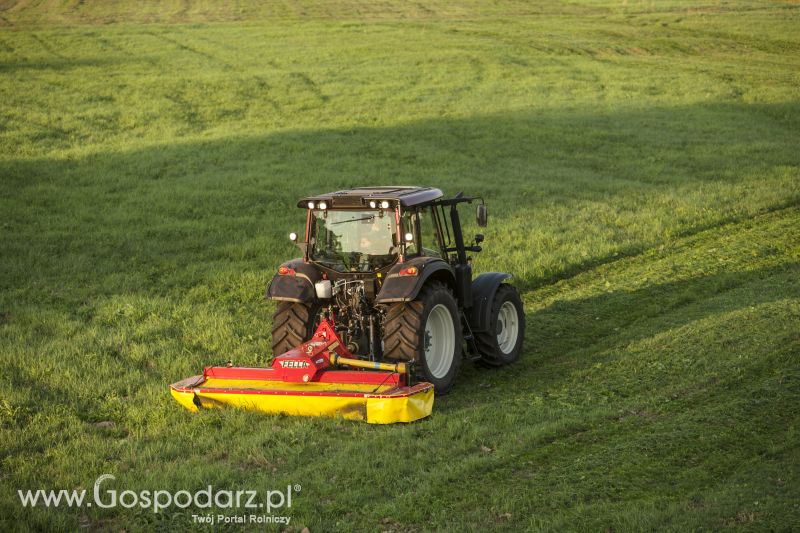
427, 331
502, 343
292, 325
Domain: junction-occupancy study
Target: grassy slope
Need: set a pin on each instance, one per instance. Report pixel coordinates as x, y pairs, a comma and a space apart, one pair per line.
644, 155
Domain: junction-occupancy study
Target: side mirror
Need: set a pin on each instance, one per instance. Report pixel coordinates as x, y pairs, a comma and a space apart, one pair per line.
479, 238
481, 215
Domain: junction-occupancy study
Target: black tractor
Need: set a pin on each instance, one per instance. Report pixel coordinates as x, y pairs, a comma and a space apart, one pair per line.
388, 266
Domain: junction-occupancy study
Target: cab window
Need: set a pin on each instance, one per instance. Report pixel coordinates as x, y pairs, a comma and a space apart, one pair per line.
430, 238
421, 223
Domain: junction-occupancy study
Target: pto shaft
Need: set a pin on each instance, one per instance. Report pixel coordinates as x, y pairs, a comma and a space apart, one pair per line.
336, 359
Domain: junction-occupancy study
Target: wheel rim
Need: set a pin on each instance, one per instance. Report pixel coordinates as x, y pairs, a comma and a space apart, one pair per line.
507, 327
439, 341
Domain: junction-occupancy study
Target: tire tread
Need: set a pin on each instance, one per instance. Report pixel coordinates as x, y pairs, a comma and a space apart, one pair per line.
291, 326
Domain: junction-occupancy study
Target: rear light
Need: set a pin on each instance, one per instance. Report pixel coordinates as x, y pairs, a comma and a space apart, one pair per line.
410, 271
286, 271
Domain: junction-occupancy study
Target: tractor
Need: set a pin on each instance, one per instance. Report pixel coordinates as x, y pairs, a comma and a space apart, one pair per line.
388, 268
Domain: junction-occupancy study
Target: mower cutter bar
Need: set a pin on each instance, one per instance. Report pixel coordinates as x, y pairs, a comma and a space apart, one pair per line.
303, 382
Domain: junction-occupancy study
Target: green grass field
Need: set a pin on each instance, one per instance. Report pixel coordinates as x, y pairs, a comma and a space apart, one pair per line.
641, 162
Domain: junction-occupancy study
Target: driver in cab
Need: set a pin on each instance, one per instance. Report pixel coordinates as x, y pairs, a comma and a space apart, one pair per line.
375, 236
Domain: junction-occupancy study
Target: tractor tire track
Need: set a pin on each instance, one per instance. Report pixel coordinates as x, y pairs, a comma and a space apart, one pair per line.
261, 82
303, 79
554, 55
105, 43
192, 115
191, 49
425, 10
77, 6
189, 110
181, 14
6, 47
478, 68
221, 45
47, 48
636, 251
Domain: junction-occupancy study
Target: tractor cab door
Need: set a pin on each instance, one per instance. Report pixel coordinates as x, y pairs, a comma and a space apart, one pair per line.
422, 224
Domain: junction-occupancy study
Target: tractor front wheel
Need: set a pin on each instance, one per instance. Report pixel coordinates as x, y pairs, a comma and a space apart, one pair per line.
502, 343
427, 330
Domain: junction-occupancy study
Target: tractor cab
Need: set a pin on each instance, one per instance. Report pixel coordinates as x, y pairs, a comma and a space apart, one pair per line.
388, 266
370, 228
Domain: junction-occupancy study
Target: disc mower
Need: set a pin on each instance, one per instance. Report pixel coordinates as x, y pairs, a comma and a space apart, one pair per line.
377, 315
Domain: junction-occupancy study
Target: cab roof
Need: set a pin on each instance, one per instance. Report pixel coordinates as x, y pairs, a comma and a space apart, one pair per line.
361, 196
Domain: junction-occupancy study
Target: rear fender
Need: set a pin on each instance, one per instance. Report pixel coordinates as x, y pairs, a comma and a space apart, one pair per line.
397, 288
484, 287
295, 288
